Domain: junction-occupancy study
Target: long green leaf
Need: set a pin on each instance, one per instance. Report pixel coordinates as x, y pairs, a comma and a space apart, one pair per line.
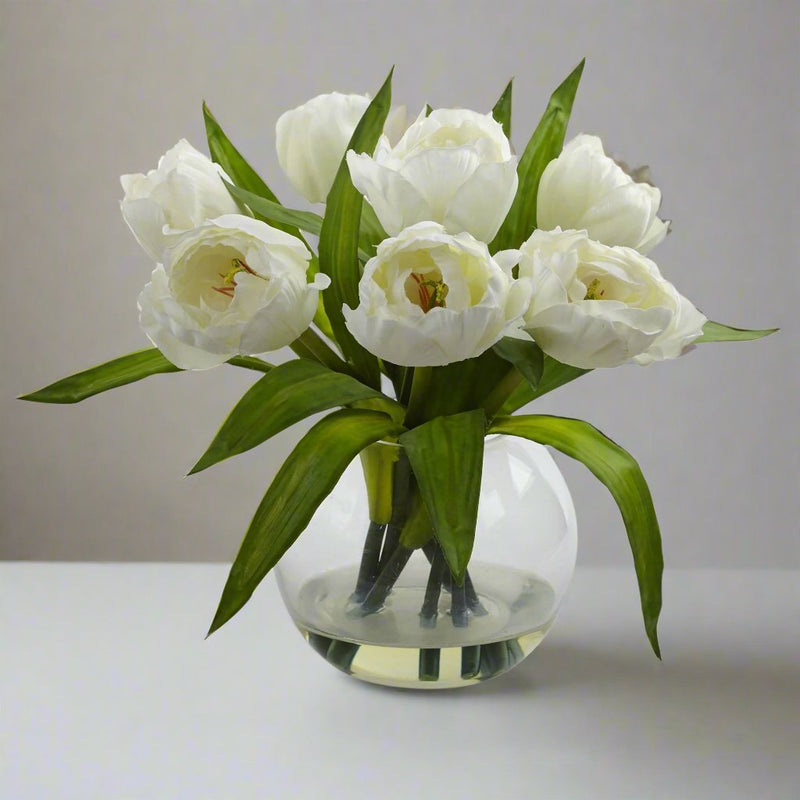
446, 455
525, 355
274, 213
306, 478
371, 232
618, 470
119, 372
554, 375
717, 332
338, 240
239, 170
502, 109
545, 144
289, 393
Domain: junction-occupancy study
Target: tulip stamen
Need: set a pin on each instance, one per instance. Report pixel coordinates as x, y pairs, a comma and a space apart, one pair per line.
229, 278
592, 292
432, 294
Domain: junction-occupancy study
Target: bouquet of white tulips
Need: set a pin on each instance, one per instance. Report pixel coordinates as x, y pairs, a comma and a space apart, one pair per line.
453, 283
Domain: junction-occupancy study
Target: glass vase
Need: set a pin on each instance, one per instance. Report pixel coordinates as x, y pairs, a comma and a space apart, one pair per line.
393, 614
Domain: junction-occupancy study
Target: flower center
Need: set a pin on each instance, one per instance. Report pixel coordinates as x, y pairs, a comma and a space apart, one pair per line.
228, 279
431, 293
593, 291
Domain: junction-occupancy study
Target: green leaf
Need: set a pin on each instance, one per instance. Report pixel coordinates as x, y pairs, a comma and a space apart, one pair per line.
463, 385
545, 144
371, 232
250, 362
289, 393
306, 478
617, 469
274, 213
525, 355
717, 332
555, 374
446, 456
240, 172
338, 240
119, 372
502, 109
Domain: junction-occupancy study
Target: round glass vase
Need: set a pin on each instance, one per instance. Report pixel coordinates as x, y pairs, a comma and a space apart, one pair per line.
390, 614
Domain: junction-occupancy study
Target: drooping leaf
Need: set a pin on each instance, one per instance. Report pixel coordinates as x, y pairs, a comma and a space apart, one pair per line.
338, 240
554, 375
306, 478
545, 144
289, 393
446, 456
525, 355
717, 332
240, 172
119, 372
618, 470
502, 109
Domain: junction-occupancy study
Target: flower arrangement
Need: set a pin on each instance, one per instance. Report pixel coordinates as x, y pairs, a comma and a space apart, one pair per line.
453, 284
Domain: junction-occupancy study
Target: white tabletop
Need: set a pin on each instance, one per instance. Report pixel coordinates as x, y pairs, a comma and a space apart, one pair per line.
108, 690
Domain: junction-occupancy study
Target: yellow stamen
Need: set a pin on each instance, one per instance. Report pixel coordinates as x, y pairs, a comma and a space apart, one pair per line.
592, 292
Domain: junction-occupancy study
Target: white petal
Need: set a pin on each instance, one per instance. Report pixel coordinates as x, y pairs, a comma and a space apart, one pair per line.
480, 205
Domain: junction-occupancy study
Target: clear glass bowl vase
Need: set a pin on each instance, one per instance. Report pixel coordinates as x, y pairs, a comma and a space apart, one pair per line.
392, 615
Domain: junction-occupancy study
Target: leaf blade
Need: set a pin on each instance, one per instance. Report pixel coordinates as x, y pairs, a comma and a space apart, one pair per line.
544, 145
286, 395
338, 240
525, 355
554, 375
275, 214
717, 332
502, 109
446, 456
236, 165
103, 377
307, 476
618, 471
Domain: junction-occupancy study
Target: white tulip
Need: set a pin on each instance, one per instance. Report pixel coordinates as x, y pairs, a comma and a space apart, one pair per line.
454, 167
312, 138
584, 189
233, 286
599, 306
429, 298
183, 192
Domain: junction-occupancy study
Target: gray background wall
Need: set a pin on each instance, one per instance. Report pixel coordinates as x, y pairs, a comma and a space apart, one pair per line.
704, 92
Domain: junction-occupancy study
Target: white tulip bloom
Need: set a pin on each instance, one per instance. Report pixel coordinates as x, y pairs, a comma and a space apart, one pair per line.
429, 298
183, 192
312, 138
233, 286
599, 306
584, 189
454, 167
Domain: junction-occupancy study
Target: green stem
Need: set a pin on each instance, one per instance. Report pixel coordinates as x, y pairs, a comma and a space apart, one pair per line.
368, 570
501, 392
311, 345
430, 605
419, 395
389, 574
